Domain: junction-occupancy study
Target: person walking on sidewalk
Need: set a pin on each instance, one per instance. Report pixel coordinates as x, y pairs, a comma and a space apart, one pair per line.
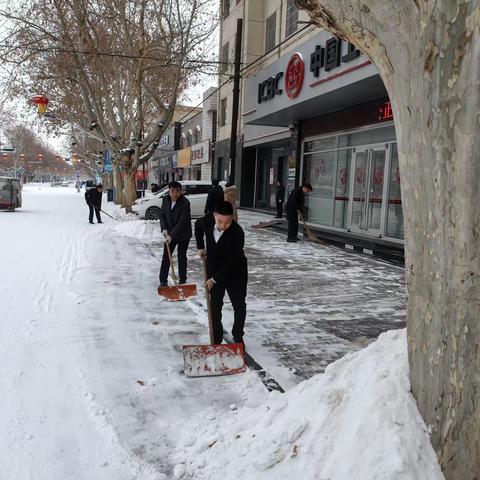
214, 197
226, 266
230, 195
177, 229
279, 198
93, 197
295, 206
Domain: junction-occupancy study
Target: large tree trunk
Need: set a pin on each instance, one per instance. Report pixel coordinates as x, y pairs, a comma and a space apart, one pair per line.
130, 190
117, 184
428, 54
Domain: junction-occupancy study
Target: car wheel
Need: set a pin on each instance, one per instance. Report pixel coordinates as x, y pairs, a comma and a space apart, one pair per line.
152, 213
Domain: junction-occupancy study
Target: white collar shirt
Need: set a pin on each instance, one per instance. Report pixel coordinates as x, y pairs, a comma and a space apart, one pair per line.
217, 233
173, 204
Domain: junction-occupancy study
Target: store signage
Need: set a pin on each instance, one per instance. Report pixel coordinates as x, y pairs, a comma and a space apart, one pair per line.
294, 76
385, 112
107, 162
329, 57
165, 140
323, 58
269, 88
184, 157
200, 153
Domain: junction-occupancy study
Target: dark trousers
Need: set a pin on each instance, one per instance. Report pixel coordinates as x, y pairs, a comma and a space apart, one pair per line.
97, 213
279, 208
292, 218
237, 293
182, 261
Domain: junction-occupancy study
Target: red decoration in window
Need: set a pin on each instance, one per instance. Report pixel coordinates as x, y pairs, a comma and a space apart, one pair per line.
359, 175
378, 175
343, 176
397, 176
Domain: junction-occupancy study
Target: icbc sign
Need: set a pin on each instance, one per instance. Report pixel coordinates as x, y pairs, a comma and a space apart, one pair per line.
294, 76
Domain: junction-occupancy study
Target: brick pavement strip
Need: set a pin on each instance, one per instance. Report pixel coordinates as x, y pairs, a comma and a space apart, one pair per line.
310, 304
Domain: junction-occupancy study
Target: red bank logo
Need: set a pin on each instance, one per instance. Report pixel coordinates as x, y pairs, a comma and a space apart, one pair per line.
294, 75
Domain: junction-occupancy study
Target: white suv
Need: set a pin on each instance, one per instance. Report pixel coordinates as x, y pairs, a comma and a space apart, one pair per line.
195, 190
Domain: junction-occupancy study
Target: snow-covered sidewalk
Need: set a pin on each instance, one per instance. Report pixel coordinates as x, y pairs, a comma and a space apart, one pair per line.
91, 383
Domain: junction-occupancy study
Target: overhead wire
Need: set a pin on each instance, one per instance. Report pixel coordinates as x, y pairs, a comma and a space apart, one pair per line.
296, 36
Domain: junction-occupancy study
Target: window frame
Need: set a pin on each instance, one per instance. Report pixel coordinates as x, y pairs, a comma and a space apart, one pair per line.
224, 58
225, 9
223, 112
291, 27
269, 33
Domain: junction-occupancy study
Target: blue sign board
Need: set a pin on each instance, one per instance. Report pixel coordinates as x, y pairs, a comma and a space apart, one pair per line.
107, 162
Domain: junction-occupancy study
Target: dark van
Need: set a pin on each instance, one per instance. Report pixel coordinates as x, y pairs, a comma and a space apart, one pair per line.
10, 193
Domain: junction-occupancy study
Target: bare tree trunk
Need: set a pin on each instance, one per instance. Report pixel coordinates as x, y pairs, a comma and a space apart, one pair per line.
430, 64
130, 190
117, 184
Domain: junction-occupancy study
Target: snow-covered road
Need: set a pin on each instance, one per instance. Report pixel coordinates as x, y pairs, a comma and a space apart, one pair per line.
91, 383
75, 339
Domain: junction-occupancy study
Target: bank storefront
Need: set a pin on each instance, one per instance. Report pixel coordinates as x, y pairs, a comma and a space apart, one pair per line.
356, 182
330, 98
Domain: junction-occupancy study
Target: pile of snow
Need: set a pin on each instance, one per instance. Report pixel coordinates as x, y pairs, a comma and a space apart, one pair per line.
358, 420
130, 226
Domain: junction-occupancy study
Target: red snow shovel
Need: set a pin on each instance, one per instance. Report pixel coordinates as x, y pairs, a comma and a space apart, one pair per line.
213, 359
176, 293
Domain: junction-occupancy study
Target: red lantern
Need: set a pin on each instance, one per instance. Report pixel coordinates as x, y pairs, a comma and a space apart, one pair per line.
41, 102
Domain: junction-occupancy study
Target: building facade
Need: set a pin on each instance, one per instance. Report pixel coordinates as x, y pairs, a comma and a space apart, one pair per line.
186, 148
314, 109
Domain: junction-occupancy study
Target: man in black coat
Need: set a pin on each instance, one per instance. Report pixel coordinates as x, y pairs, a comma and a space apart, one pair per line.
295, 206
226, 266
279, 197
177, 230
215, 196
93, 197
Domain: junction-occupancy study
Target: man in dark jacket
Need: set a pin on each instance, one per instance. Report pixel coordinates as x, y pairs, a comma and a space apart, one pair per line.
279, 197
93, 197
295, 206
226, 266
177, 230
215, 196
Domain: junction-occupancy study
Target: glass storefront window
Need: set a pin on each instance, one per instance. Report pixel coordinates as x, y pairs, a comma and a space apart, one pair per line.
320, 144
347, 173
367, 137
318, 169
395, 211
342, 188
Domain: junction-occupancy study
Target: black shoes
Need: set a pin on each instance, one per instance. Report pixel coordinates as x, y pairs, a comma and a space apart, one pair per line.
99, 222
91, 223
292, 240
163, 284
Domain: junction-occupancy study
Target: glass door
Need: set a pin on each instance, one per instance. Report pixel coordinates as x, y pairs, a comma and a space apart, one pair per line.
368, 190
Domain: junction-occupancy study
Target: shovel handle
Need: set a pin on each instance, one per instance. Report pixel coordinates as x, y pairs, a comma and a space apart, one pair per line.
101, 211
207, 298
174, 276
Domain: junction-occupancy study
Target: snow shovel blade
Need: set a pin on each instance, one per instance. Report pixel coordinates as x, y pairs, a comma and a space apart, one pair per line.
211, 360
177, 293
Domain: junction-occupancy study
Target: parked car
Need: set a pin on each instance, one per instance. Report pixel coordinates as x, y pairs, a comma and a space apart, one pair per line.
89, 184
10, 193
195, 190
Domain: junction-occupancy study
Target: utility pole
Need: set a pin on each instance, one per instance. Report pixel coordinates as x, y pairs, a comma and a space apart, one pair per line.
236, 99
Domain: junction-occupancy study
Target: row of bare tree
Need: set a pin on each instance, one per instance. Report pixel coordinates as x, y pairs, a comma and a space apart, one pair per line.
114, 69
